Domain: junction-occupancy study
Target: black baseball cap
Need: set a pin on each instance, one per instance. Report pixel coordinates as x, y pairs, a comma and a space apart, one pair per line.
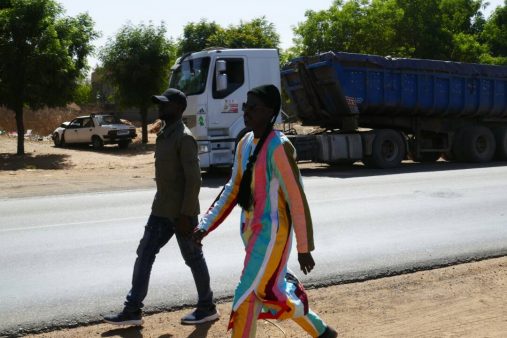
171, 95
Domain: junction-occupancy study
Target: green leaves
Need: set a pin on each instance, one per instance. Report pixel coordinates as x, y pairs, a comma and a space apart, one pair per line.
495, 36
435, 29
138, 62
257, 33
196, 36
43, 55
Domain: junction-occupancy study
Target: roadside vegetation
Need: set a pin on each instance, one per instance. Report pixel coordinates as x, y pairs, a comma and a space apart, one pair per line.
44, 52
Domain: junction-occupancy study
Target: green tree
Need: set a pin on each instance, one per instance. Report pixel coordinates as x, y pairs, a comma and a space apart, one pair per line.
462, 16
138, 61
332, 29
102, 89
257, 33
495, 36
196, 36
43, 56
358, 26
463, 20
421, 30
83, 94
432, 29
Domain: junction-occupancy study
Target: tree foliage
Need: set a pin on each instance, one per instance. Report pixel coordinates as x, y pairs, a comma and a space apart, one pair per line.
196, 36
43, 56
495, 36
83, 95
257, 33
137, 62
434, 29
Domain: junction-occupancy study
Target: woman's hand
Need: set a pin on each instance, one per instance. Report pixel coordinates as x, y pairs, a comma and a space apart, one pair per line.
198, 235
184, 226
306, 262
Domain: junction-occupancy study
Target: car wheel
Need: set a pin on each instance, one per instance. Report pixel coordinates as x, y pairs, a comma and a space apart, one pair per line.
56, 140
97, 143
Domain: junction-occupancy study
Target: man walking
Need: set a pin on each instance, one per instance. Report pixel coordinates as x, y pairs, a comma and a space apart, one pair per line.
174, 212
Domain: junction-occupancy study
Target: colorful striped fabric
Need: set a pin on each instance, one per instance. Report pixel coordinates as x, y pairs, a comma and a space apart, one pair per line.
279, 206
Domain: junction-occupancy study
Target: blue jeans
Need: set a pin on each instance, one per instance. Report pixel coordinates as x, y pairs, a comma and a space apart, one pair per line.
157, 233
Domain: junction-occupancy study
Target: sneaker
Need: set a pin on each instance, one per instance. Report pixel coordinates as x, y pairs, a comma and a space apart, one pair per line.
125, 318
199, 316
329, 333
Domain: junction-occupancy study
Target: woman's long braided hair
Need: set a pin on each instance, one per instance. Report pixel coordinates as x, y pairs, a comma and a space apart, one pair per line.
245, 199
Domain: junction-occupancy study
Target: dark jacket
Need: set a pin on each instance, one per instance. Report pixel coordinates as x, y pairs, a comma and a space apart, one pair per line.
177, 172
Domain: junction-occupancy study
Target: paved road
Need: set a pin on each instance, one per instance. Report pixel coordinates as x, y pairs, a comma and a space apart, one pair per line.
67, 259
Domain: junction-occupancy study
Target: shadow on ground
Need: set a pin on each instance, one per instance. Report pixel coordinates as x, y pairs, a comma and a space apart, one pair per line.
132, 150
28, 161
127, 332
408, 167
218, 178
137, 332
200, 330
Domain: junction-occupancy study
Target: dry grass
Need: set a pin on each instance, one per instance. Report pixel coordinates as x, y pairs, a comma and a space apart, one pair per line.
41, 122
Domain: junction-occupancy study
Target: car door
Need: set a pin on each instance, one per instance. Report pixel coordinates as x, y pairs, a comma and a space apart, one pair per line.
85, 132
72, 131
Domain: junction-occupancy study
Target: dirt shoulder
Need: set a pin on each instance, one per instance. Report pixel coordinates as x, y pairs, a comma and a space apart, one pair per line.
468, 300
47, 170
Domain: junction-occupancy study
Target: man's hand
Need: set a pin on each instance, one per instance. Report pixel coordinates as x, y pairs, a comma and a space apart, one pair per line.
306, 262
198, 235
184, 226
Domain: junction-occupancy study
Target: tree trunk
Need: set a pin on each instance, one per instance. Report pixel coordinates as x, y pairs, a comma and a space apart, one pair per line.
144, 122
20, 129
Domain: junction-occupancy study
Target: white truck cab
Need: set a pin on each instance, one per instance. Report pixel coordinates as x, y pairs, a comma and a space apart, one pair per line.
216, 82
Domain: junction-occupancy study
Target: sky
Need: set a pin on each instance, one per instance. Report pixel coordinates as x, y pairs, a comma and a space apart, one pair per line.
110, 15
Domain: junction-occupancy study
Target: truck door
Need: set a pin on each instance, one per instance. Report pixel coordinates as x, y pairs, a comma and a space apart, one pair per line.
225, 105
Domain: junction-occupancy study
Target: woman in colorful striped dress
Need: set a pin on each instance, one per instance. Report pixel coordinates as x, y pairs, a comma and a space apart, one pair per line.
266, 183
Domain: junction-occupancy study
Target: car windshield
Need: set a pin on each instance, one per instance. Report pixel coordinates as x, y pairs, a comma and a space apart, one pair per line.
107, 119
190, 76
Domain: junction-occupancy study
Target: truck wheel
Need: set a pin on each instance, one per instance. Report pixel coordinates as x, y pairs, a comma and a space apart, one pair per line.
388, 149
476, 144
501, 143
97, 143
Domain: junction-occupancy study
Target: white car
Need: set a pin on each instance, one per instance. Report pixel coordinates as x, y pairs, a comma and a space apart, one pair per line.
95, 129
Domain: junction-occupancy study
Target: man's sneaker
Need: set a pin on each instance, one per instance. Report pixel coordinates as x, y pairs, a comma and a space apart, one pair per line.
199, 316
125, 318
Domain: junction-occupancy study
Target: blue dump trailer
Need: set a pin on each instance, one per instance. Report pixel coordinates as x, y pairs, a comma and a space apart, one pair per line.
382, 110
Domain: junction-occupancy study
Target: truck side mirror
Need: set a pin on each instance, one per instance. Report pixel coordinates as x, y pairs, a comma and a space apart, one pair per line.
221, 75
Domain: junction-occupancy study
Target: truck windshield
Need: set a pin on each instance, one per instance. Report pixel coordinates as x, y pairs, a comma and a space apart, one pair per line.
190, 76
